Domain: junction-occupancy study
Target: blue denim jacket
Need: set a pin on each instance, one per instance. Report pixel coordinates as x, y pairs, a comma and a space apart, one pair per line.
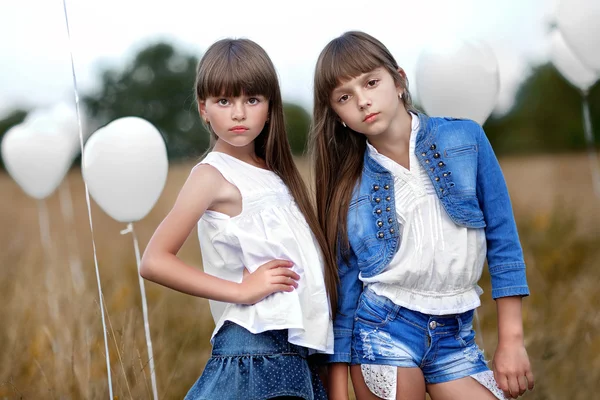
466, 175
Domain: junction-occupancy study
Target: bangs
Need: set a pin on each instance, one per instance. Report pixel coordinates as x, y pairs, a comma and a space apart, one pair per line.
232, 69
345, 59
348, 56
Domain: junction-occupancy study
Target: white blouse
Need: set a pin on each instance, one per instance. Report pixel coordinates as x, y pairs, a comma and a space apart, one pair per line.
438, 263
269, 227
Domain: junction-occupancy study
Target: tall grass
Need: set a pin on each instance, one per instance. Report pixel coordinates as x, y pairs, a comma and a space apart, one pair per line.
51, 341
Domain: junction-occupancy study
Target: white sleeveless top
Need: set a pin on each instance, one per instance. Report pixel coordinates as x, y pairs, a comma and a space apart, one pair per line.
269, 227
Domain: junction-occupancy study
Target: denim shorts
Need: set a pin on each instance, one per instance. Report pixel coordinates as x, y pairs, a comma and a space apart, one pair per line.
258, 366
443, 347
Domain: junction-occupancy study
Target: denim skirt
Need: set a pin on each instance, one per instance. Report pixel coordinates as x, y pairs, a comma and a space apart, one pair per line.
259, 366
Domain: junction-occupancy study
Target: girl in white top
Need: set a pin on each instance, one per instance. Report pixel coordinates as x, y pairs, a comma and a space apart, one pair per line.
261, 244
439, 263
409, 260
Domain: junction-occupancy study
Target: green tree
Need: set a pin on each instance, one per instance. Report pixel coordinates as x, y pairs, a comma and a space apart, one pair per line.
297, 125
546, 116
12, 119
158, 86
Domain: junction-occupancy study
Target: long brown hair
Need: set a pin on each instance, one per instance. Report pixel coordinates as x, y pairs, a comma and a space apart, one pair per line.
338, 151
235, 67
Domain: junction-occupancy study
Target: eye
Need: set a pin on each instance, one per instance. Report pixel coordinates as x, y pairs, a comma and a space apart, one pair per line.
372, 82
343, 98
253, 100
223, 102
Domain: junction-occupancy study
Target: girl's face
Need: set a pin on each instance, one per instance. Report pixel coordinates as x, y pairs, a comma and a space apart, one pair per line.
368, 103
236, 120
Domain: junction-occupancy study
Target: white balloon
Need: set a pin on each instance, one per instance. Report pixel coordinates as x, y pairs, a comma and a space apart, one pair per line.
37, 157
64, 117
567, 63
579, 21
125, 166
458, 79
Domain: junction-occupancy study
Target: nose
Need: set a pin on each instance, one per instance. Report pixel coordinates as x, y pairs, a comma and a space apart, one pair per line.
238, 111
363, 101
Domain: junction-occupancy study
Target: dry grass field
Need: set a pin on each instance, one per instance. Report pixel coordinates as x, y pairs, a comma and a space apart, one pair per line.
51, 341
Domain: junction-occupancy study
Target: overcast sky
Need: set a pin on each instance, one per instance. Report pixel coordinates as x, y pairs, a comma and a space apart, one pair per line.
35, 61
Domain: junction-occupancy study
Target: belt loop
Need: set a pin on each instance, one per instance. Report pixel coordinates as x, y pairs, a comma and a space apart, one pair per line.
395, 312
460, 323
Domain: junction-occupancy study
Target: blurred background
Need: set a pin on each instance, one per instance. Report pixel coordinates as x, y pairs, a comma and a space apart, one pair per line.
134, 58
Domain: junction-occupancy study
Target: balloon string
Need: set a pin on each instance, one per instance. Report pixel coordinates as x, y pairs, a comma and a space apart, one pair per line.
66, 206
136, 247
589, 138
44, 227
49, 271
89, 209
47, 248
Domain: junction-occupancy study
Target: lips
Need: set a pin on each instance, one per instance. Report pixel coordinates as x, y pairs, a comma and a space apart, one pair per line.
238, 129
370, 117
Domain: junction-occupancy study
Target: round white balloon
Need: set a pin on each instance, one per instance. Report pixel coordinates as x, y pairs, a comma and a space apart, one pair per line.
37, 156
458, 79
579, 22
125, 166
64, 117
567, 63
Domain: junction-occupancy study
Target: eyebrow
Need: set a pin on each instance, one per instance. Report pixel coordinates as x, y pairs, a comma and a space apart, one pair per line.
337, 90
243, 94
342, 88
365, 75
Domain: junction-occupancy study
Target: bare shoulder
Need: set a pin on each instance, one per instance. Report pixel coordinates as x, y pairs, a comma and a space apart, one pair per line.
205, 174
198, 193
202, 186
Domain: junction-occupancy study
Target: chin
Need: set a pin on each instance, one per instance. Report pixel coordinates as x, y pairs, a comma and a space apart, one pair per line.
240, 141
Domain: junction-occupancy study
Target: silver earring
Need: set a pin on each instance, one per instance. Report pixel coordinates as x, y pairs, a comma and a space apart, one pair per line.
344, 124
400, 95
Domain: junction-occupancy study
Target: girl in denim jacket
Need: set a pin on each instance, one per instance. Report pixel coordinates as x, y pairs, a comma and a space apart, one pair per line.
411, 207
260, 239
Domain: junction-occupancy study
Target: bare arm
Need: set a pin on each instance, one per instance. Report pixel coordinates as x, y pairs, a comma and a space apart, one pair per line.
510, 319
160, 263
511, 364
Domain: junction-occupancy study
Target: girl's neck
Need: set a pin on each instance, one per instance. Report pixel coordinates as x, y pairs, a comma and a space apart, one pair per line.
395, 141
245, 153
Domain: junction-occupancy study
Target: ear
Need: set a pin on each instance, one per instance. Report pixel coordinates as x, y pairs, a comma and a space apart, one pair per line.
403, 75
202, 109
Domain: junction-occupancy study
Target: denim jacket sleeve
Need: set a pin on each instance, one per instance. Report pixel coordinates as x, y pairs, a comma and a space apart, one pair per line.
504, 252
349, 291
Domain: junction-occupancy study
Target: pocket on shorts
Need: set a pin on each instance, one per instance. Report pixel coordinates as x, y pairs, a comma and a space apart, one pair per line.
371, 314
466, 335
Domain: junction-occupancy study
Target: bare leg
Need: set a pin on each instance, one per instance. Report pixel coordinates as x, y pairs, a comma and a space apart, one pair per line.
464, 388
410, 384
